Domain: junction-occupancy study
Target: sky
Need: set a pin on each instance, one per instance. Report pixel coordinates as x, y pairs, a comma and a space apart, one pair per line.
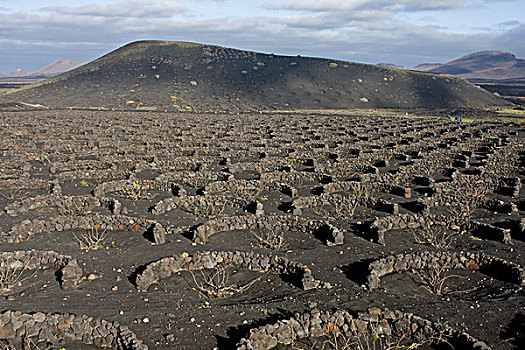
34, 33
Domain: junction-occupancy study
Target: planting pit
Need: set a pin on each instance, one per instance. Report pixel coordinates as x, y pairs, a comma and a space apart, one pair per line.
296, 273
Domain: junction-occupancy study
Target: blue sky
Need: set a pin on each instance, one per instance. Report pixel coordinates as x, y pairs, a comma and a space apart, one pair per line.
34, 33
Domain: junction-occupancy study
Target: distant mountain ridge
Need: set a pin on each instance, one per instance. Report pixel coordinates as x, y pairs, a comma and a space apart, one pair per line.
481, 65
391, 65
50, 70
16, 73
57, 67
425, 67
183, 76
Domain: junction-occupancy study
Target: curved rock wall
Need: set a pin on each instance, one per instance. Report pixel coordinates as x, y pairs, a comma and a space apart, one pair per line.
166, 267
375, 329
495, 267
55, 327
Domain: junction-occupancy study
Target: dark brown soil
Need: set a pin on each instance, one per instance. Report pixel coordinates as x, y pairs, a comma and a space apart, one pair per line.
77, 147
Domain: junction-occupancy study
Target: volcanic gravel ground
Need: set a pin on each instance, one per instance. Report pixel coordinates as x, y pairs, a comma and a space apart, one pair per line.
79, 151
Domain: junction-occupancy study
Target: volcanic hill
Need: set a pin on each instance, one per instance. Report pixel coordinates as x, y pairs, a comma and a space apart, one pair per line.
161, 75
484, 65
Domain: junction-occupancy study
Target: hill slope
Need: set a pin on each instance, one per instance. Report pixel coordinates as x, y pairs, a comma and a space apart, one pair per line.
485, 65
189, 76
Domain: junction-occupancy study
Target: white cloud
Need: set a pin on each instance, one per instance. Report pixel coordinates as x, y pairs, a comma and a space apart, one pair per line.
509, 25
369, 33
364, 5
513, 40
133, 8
